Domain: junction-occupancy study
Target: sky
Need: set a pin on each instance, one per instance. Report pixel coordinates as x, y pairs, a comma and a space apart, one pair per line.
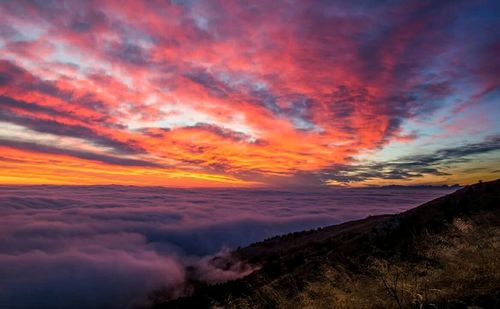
187, 93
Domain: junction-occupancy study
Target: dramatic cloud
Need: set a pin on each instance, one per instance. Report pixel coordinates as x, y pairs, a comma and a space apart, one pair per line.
224, 93
417, 165
109, 246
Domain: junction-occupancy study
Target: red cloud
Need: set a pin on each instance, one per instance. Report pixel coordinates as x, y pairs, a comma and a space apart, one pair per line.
261, 88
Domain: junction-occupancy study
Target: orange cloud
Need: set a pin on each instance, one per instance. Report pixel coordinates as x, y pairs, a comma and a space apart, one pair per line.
216, 91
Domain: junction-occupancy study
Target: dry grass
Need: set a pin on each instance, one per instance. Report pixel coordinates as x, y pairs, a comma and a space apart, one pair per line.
454, 268
434, 262
457, 266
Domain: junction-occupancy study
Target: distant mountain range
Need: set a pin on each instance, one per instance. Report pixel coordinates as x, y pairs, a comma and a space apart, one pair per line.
442, 254
455, 186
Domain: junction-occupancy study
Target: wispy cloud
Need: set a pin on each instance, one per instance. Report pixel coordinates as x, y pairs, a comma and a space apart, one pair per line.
248, 91
415, 166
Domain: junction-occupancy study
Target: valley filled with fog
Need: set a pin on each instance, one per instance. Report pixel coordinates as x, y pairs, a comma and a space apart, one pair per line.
110, 245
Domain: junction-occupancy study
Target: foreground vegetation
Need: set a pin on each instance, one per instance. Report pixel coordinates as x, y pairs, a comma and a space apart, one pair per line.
455, 269
443, 254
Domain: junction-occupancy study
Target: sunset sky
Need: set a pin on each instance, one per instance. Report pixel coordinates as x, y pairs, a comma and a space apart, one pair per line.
249, 93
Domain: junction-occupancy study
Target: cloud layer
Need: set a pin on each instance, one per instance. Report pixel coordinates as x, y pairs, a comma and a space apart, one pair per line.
206, 93
81, 247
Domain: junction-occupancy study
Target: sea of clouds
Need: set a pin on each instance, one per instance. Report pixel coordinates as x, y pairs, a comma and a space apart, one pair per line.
110, 246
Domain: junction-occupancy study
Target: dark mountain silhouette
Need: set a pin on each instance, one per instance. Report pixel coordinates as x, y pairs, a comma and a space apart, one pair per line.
443, 254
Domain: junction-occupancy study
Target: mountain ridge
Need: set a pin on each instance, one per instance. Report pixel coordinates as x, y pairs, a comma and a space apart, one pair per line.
290, 264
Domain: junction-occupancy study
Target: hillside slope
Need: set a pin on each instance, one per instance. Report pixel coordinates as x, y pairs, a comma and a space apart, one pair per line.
442, 254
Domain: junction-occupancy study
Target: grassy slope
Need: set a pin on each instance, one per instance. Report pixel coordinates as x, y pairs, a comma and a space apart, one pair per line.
443, 253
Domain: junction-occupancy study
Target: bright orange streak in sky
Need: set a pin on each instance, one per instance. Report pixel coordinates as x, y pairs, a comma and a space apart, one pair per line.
34, 168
